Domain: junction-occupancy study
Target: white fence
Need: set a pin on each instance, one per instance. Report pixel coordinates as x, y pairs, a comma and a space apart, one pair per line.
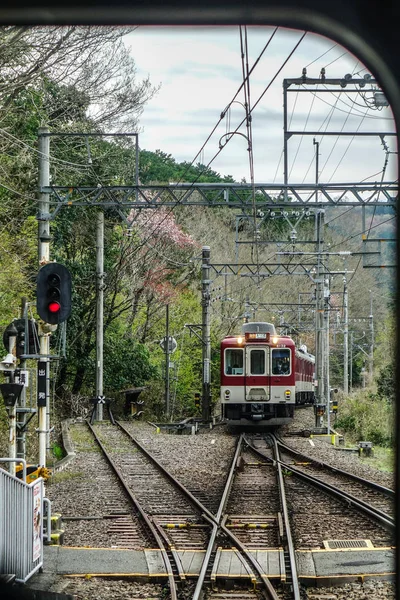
21, 526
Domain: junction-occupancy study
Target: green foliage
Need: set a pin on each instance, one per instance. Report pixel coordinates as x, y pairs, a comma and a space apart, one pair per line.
160, 167
154, 400
365, 416
127, 364
57, 451
134, 311
386, 383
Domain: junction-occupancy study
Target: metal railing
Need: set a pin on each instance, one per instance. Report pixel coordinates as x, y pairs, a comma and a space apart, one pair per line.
21, 526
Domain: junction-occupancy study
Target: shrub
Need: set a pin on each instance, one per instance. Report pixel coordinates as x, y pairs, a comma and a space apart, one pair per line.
366, 416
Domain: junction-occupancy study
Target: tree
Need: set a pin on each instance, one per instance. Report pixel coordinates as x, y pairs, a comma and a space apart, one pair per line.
91, 60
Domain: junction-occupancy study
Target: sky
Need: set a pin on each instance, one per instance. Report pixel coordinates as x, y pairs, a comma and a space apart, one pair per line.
199, 70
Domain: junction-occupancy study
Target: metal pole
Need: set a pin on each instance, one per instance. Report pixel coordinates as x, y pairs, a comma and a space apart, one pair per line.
285, 139
21, 417
206, 338
351, 362
237, 239
316, 167
44, 344
247, 313
12, 411
99, 313
167, 349
137, 166
371, 351
346, 339
44, 257
326, 354
225, 294
319, 319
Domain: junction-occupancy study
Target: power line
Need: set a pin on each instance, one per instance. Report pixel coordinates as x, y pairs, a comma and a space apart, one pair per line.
326, 52
238, 127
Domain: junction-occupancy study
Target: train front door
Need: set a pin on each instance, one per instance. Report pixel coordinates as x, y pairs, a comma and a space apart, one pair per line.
256, 385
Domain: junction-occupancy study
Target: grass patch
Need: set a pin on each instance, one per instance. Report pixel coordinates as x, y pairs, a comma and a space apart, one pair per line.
65, 476
365, 416
383, 459
82, 439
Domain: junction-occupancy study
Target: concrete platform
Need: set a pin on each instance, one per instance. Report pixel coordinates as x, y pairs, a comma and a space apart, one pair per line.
329, 567
313, 566
104, 561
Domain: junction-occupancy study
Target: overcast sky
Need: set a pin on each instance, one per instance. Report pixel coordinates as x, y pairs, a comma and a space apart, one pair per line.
200, 70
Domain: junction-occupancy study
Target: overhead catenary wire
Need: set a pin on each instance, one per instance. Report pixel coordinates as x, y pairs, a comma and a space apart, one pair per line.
178, 202
246, 77
224, 112
321, 55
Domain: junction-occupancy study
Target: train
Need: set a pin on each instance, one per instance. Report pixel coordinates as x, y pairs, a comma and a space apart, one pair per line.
264, 376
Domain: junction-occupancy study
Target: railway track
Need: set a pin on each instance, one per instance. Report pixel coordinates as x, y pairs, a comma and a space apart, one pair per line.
179, 521
375, 495
325, 516
250, 529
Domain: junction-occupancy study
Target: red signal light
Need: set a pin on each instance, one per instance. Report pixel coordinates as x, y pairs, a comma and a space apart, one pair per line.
54, 307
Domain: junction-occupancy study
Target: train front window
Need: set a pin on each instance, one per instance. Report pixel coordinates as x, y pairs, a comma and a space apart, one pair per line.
257, 362
234, 361
280, 361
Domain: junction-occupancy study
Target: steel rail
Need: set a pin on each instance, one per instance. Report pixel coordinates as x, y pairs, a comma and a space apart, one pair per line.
379, 516
214, 523
258, 568
218, 524
143, 514
376, 486
288, 532
208, 516
173, 480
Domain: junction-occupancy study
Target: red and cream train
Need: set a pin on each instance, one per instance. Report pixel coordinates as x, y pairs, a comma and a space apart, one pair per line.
263, 376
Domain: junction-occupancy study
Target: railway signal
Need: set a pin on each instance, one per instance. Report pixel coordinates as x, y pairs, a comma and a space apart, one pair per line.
53, 293
169, 343
23, 346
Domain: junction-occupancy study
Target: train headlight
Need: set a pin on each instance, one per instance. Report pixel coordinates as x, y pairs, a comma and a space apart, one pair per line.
227, 394
240, 340
275, 339
288, 393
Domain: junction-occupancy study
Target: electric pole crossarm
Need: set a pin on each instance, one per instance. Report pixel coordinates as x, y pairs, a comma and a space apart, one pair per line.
344, 133
330, 81
192, 328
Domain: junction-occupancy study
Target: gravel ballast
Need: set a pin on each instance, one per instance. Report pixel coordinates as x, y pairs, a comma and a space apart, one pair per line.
201, 462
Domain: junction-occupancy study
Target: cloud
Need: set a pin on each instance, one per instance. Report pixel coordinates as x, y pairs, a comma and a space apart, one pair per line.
201, 71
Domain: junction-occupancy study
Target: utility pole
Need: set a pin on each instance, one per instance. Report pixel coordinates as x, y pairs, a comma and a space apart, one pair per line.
12, 409
206, 338
319, 322
99, 314
247, 313
326, 353
21, 416
345, 339
44, 257
167, 352
351, 362
371, 350
316, 144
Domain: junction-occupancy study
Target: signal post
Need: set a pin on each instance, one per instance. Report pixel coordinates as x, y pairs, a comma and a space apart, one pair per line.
44, 257
53, 294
